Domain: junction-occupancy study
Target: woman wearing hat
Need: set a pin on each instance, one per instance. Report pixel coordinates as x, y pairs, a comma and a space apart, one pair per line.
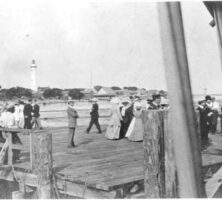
113, 129
135, 130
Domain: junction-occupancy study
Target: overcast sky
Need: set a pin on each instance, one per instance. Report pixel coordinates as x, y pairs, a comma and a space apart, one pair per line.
119, 42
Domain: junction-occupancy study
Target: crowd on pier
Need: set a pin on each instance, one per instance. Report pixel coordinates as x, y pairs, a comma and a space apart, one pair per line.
209, 111
125, 117
19, 115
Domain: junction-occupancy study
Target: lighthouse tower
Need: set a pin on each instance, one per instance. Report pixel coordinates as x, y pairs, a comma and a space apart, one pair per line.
33, 76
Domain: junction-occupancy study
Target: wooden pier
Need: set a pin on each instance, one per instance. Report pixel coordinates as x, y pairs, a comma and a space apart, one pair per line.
98, 167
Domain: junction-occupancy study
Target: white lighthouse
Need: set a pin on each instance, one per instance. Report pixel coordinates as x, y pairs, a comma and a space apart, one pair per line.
33, 76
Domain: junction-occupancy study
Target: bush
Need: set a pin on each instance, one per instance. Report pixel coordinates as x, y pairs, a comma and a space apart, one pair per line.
75, 94
52, 93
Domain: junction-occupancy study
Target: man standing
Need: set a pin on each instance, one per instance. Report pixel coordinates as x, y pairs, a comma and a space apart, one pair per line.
36, 115
72, 117
94, 116
28, 114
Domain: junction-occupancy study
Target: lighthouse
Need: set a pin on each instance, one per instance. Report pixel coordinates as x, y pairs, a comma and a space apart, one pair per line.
33, 76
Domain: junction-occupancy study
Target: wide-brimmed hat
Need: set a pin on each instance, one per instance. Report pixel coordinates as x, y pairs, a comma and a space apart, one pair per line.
208, 97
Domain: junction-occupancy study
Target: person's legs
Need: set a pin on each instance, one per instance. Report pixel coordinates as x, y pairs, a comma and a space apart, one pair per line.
29, 125
38, 122
97, 125
71, 137
90, 125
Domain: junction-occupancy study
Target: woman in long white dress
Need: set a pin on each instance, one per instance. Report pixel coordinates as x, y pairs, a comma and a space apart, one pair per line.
21, 115
135, 130
113, 129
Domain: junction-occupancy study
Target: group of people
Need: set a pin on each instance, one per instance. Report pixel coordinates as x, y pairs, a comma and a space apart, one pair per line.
21, 115
125, 118
209, 110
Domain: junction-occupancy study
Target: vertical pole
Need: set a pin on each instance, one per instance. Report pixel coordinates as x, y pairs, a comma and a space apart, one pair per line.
171, 182
185, 139
43, 164
153, 142
10, 153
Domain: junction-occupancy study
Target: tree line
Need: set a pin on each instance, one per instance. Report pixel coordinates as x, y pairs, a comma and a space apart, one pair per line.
75, 93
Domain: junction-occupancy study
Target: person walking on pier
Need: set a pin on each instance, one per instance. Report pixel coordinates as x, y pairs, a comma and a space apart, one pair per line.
94, 116
72, 117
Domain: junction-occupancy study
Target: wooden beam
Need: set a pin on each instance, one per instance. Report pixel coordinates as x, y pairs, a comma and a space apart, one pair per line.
213, 184
43, 164
10, 153
171, 181
185, 139
153, 142
78, 190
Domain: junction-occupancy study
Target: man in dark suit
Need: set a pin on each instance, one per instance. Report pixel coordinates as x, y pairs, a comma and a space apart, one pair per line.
94, 117
28, 114
36, 115
155, 104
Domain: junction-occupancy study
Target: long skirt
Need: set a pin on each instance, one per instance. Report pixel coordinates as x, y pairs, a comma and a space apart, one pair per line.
112, 132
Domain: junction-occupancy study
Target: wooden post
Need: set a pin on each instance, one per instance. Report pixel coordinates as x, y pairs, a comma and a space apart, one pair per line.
171, 182
10, 153
42, 166
185, 140
153, 142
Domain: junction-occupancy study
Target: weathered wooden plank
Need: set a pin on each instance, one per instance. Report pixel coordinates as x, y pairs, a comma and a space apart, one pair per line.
154, 180
171, 182
186, 144
10, 153
213, 184
43, 167
81, 191
14, 146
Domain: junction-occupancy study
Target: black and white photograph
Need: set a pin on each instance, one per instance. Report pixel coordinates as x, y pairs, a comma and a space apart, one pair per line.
110, 99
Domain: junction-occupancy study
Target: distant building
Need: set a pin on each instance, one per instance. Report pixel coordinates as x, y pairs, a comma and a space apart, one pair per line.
89, 93
105, 93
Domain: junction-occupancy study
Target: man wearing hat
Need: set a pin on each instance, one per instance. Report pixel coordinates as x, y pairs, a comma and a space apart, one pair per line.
94, 116
72, 117
155, 104
206, 118
28, 114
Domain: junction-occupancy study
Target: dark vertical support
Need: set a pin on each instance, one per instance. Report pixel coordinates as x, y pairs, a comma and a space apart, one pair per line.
185, 139
154, 181
42, 163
